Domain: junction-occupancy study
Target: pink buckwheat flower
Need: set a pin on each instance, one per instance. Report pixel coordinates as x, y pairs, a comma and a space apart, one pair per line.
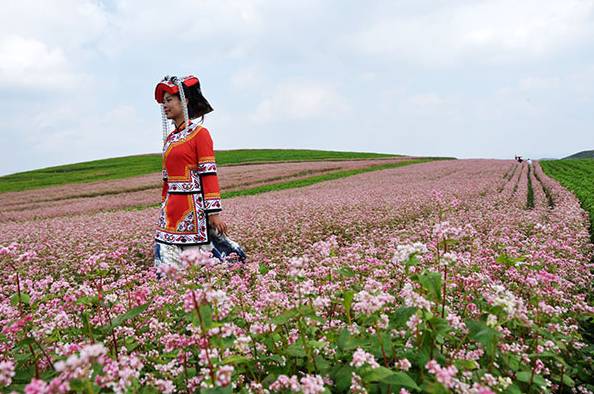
403, 364
312, 384
361, 357
36, 386
444, 376
283, 382
223, 377
6, 372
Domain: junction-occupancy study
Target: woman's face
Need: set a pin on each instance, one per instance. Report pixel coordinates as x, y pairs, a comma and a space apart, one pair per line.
172, 106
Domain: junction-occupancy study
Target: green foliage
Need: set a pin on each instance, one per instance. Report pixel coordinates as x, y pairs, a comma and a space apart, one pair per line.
485, 335
131, 314
431, 282
577, 175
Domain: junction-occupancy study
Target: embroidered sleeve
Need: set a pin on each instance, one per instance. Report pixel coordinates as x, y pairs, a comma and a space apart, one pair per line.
165, 185
164, 190
207, 168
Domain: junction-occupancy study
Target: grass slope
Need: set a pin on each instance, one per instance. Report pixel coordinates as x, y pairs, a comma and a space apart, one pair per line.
586, 154
576, 175
129, 166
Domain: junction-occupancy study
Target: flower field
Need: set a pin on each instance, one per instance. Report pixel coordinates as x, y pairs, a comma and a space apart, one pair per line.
143, 190
466, 276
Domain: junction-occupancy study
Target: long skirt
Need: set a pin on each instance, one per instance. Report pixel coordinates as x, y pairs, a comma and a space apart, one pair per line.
171, 254
221, 246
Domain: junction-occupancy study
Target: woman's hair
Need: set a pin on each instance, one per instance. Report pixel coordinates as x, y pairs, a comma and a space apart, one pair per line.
197, 104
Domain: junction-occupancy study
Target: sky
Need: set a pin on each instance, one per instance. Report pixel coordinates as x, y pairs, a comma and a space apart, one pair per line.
468, 79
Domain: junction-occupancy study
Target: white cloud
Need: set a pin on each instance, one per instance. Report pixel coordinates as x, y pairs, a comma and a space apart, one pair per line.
246, 79
31, 63
193, 23
426, 100
69, 24
498, 31
300, 100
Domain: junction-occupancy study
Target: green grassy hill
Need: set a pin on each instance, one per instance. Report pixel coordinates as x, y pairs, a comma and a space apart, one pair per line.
578, 176
586, 154
128, 166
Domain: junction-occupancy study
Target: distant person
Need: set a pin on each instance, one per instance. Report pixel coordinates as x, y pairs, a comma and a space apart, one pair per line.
190, 215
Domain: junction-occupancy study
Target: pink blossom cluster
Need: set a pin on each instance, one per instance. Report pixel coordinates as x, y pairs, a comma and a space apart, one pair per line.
308, 384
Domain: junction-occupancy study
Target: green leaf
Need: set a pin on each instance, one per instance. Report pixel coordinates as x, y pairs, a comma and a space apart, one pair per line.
431, 282
77, 385
206, 315
263, 269
131, 314
387, 342
401, 379
346, 342
285, 317
25, 342
412, 260
322, 364
315, 344
296, 350
388, 376
348, 300
23, 374
568, 381
439, 326
236, 359
149, 390
88, 300
485, 335
524, 376
513, 389
376, 374
507, 260
434, 388
25, 299
343, 377
276, 358
401, 315
343, 339
513, 362
466, 365
346, 272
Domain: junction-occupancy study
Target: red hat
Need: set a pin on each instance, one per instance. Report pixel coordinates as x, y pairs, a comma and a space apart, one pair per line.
168, 85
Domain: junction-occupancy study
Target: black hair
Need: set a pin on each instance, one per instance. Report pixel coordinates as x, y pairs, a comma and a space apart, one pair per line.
197, 104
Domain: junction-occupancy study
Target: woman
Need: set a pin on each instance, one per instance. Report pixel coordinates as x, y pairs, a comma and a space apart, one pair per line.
191, 201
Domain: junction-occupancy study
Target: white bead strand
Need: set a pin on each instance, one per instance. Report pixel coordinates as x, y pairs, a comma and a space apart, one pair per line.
182, 97
165, 123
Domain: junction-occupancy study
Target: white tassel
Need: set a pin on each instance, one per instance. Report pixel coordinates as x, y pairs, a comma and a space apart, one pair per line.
182, 97
165, 124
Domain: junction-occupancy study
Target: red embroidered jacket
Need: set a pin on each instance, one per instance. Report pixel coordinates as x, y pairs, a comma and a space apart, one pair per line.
190, 187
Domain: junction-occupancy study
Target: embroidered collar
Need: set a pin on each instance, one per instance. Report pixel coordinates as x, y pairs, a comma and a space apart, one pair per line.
178, 135
178, 129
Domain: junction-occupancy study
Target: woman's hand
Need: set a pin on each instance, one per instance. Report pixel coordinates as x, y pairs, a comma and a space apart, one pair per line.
217, 223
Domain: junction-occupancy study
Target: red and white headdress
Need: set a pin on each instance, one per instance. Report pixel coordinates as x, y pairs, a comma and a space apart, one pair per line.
173, 85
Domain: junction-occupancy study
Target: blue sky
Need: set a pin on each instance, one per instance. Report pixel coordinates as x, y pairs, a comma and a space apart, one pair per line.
452, 78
